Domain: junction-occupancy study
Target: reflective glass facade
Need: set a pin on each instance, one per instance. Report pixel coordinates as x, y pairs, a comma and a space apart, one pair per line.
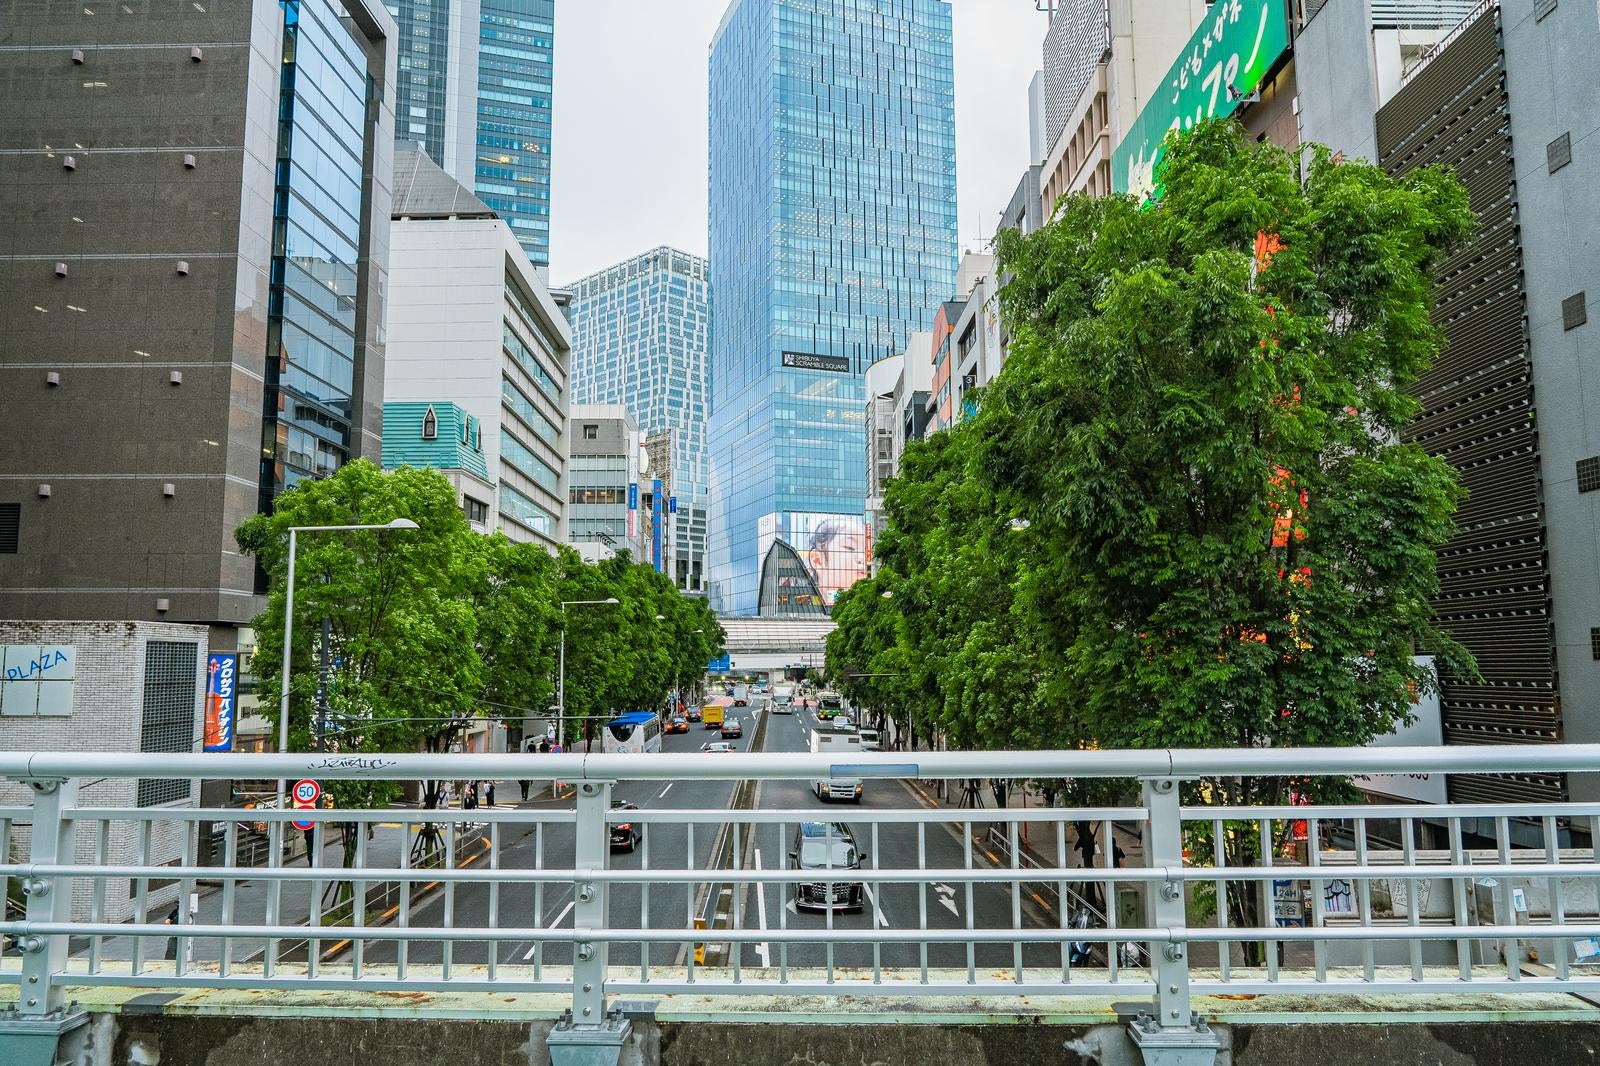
515, 53
420, 82
832, 235
312, 304
640, 332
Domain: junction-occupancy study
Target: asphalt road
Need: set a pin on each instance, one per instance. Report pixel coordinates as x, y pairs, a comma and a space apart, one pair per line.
666, 844
887, 906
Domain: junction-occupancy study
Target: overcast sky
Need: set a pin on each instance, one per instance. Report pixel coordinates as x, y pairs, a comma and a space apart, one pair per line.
630, 123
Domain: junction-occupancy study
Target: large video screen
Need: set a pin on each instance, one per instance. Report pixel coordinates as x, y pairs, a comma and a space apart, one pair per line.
833, 547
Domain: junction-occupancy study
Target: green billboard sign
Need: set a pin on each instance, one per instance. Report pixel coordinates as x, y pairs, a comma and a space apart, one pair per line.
1225, 61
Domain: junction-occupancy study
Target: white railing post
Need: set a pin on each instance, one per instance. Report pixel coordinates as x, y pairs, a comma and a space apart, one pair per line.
1174, 1036
33, 1029
588, 1035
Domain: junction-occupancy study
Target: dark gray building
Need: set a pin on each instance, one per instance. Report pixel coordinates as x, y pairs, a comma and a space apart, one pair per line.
193, 238
1510, 99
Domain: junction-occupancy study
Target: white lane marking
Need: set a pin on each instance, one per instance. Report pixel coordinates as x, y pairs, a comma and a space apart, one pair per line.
872, 898
763, 949
947, 897
666, 790
564, 912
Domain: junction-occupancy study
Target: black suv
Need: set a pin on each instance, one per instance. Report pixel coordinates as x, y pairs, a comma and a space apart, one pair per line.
823, 847
624, 835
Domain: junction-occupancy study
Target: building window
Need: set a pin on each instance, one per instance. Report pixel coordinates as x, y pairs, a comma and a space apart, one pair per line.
430, 425
10, 527
591, 432
1594, 644
171, 674
1589, 474
1574, 310
476, 510
1558, 153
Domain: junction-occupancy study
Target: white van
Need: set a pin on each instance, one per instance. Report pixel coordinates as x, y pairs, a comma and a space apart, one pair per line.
840, 746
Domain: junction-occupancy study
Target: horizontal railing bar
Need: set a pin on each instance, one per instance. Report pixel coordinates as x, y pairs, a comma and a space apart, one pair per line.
567, 816
1403, 811
801, 935
1000, 874
416, 815
1171, 762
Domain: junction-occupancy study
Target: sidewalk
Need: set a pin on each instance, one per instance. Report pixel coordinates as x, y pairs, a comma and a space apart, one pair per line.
387, 848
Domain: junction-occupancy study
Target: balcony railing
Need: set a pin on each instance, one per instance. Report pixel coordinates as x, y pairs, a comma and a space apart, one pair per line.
1146, 898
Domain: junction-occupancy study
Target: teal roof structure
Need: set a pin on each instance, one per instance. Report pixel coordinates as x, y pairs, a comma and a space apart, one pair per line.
456, 442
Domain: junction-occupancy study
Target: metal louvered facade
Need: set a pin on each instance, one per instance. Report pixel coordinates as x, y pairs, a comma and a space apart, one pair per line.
1479, 415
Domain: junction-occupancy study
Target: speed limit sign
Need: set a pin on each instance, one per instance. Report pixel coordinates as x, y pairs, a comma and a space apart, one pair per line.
306, 793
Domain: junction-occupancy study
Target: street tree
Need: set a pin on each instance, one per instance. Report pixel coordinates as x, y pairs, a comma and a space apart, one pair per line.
403, 666
1203, 420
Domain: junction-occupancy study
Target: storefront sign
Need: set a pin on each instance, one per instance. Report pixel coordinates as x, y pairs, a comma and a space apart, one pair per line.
1226, 60
222, 675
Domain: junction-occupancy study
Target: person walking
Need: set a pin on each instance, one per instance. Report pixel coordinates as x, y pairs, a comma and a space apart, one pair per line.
489, 793
469, 798
524, 786
172, 941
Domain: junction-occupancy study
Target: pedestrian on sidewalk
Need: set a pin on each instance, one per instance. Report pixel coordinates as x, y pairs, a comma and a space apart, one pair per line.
489, 793
524, 786
172, 941
469, 799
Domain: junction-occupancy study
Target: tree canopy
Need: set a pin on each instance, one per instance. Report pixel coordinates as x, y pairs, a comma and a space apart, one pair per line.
434, 627
1185, 513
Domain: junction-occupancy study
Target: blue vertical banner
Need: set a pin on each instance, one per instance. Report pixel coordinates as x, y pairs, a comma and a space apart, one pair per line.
672, 505
655, 526
221, 695
633, 495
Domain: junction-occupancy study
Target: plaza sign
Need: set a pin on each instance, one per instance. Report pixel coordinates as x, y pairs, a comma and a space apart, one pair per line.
1226, 60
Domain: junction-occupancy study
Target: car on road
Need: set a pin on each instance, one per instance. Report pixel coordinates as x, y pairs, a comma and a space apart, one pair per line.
829, 850
693, 714
870, 741
732, 728
678, 724
624, 835
718, 747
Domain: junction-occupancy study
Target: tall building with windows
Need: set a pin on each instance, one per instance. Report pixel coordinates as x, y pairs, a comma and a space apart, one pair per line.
640, 331
515, 57
204, 277
472, 325
436, 81
194, 236
474, 90
832, 231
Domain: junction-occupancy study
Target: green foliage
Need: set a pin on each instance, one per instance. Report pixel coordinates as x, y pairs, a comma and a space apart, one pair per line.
435, 626
1227, 541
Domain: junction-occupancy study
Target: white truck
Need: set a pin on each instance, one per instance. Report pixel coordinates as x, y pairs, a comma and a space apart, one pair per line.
839, 746
783, 699
741, 695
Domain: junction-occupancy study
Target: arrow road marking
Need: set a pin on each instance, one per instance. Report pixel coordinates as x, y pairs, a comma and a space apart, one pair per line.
947, 897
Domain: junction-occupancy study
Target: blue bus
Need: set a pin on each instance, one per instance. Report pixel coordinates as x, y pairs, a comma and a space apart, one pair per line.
637, 732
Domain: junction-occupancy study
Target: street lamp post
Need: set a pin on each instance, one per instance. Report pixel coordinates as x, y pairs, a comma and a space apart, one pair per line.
561, 670
288, 628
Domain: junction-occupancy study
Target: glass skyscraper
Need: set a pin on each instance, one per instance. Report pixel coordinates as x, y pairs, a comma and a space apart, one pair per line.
515, 56
313, 326
832, 237
474, 89
640, 332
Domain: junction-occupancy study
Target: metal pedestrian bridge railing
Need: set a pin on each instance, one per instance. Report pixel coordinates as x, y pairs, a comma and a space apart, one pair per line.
634, 880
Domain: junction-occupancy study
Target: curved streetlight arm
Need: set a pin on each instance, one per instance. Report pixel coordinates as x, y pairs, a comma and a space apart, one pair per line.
288, 626
561, 669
